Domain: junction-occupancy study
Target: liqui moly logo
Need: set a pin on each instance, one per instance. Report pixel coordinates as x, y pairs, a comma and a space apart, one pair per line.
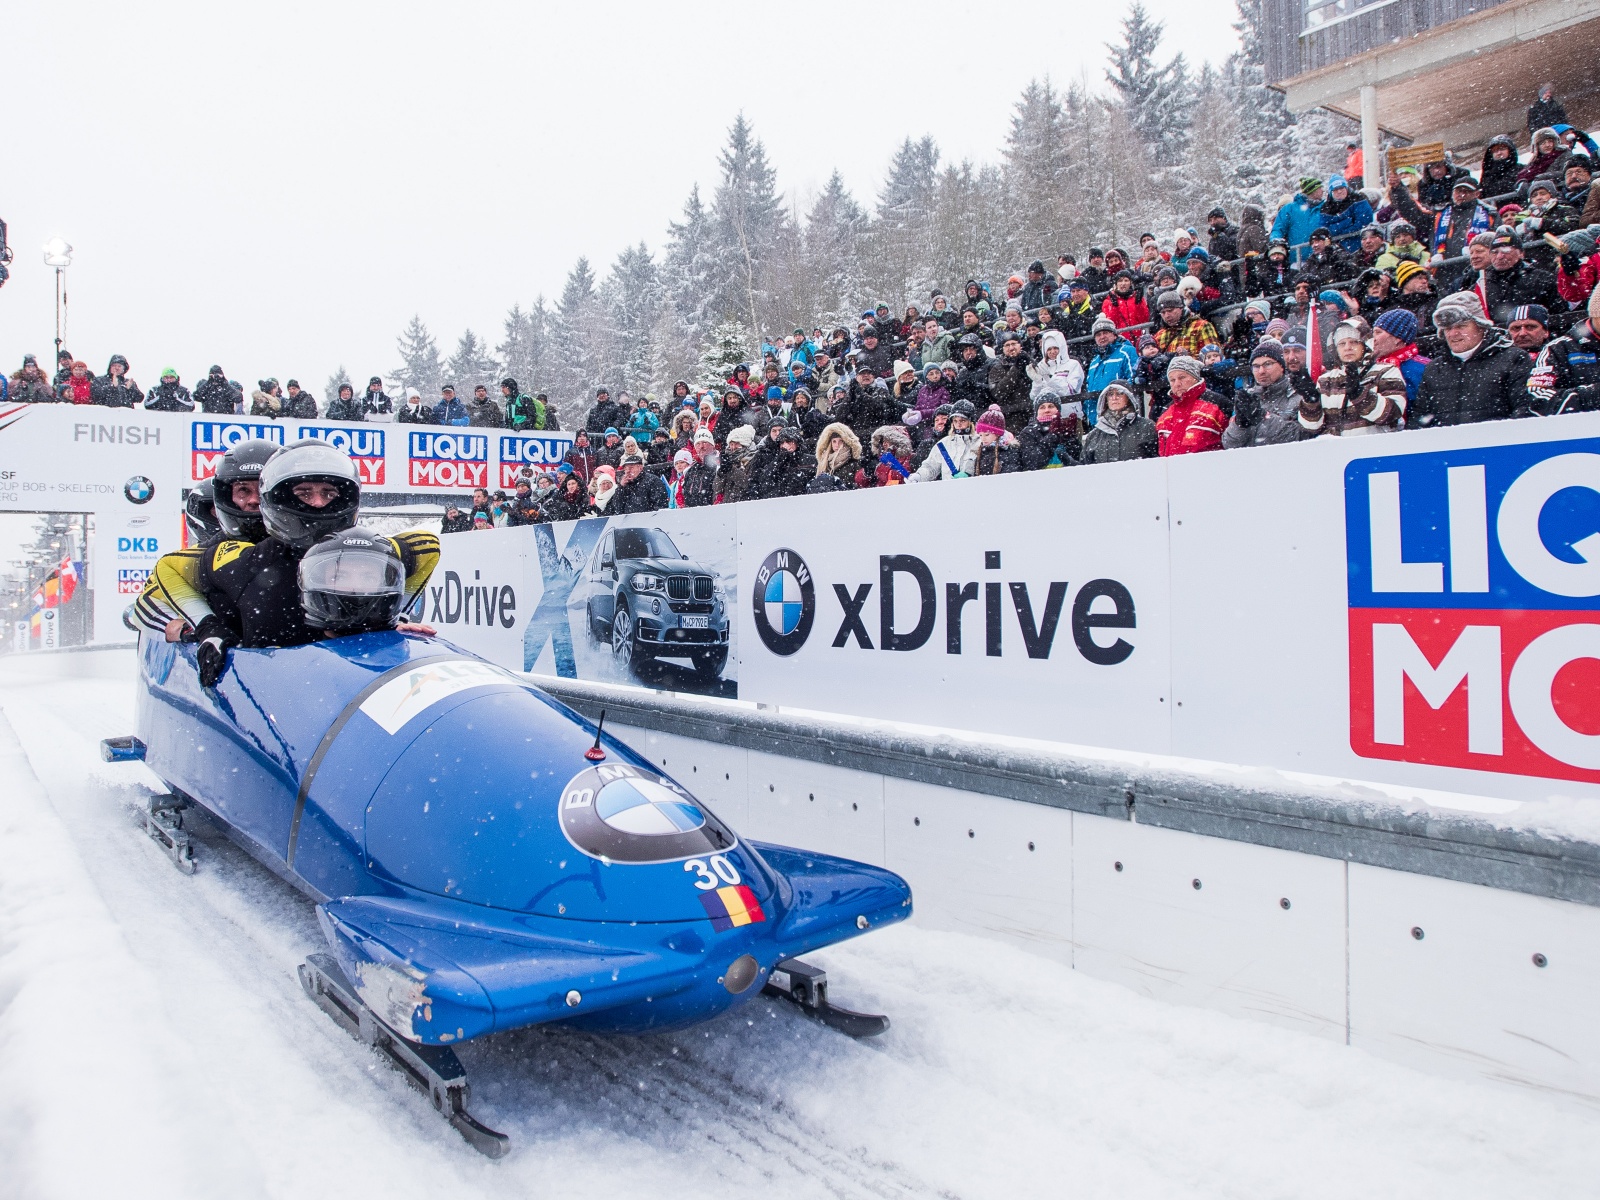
363, 443
210, 440
449, 460
518, 450
1474, 608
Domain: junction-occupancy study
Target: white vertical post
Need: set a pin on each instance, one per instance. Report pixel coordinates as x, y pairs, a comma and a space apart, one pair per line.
1370, 166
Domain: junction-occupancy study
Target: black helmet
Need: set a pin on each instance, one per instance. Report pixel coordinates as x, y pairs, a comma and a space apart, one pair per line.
292, 520
352, 582
242, 463
199, 514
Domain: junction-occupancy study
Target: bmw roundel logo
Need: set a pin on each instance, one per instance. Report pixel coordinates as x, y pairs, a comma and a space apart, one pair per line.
785, 602
139, 489
617, 812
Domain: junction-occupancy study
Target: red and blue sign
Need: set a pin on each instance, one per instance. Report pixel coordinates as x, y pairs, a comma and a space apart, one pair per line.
210, 440
1474, 608
363, 443
518, 450
448, 460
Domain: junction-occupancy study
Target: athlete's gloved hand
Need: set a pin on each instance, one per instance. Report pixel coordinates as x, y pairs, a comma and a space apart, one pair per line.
214, 639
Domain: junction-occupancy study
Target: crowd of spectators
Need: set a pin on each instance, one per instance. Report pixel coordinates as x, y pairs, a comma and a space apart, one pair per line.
1445, 298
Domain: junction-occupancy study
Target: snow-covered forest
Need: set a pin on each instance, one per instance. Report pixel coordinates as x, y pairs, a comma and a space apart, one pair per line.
1151, 144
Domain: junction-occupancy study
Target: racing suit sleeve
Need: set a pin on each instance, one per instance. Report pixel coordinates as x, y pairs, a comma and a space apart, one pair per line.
419, 554
173, 590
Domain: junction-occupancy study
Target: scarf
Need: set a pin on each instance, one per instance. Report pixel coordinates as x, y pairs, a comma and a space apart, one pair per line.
1480, 223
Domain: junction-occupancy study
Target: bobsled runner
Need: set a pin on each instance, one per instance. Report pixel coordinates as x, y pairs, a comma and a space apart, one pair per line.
482, 858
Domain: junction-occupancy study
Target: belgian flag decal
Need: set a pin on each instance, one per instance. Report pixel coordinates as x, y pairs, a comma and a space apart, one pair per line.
731, 906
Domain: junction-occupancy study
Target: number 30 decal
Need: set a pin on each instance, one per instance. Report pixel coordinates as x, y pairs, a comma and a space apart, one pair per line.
725, 873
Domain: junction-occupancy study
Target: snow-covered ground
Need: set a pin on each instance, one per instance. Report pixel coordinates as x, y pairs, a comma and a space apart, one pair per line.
155, 1042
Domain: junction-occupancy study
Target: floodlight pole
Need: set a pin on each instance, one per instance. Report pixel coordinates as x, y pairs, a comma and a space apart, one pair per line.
61, 305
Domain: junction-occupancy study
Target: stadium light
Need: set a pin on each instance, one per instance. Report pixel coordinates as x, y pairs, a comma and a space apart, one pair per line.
58, 254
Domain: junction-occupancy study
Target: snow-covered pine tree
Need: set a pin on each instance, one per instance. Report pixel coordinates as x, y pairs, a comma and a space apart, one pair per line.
747, 220
419, 360
337, 380
688, 268
472, 364
897, 262
631, 295
1036, 169
730, 345
523, 344
832, 254
576, 333
1157, 98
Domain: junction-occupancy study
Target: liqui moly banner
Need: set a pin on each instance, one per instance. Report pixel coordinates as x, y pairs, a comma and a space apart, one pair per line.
365, 444
447, 460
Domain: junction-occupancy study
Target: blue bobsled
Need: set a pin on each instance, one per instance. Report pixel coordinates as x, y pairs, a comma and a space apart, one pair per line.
481, 859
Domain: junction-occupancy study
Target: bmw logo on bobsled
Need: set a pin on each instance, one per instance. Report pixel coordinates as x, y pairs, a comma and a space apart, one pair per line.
482, 858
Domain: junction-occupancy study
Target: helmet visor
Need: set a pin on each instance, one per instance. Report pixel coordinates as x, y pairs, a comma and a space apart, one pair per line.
353, 571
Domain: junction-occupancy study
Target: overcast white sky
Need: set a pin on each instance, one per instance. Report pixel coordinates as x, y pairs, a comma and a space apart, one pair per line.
278, 187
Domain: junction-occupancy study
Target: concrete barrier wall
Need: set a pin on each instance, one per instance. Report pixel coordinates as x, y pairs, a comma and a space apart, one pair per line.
1405, 960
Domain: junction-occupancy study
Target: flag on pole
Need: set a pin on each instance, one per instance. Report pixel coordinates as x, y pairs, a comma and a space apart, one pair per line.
68, 571
1313, 344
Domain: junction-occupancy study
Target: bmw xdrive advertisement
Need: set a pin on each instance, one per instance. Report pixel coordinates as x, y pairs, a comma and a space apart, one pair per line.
648, 600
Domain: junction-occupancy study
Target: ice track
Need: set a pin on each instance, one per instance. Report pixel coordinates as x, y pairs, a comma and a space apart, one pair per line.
154, 1042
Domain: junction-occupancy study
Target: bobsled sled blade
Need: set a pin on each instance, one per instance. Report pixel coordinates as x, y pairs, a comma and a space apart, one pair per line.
434, 1071
806, 987
122, 749
163, 821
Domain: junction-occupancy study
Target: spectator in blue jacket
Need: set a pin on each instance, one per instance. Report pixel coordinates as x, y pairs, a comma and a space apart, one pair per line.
1296, 219
1345, 213
1115, 361
450, 410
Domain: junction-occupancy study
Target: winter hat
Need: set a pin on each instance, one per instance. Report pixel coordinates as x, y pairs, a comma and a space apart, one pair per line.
633, 459
774, 392
1187, 364
413, 394
1398, 323
1145, 340
1329, 296
1268, 348
932, 367
1347, 331
1200, 253
1466, 181
1531, 312
1103, 324
1277, 327
1294, 339
1405, 271
1181, 233
744, 436
1169, 300
703, 435
166, 372
1458, 307
682, 456
992, 421
1309, 185
901, 366
964, 408
1264, 307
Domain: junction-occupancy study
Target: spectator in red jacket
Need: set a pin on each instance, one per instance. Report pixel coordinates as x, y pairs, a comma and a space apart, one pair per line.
1193, 421
1123, 304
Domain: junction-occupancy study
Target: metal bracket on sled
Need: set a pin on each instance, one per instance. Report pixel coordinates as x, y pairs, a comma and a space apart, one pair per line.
122, 749
163, 821
432, 1070
806, 986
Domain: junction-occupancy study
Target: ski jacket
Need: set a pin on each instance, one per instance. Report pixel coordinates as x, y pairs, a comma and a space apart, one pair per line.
1119, 437
1126, 311
1294, 223
1264, 416
169, 397
1191, 423
1490, 385
1566, 375
215, 394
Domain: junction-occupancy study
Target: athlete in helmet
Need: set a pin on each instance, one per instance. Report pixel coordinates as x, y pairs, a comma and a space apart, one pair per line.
352, 582
249, 593
173, 601
200, 514
309, 491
